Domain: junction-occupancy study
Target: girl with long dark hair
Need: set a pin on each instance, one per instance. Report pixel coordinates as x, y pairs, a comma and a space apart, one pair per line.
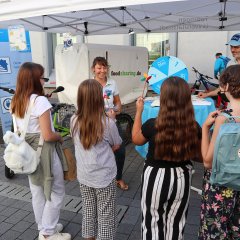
173, 139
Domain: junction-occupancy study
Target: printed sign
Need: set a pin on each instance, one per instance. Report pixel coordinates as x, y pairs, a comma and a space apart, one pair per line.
67, 42
17, 38
5, 104
5, 66
11, 58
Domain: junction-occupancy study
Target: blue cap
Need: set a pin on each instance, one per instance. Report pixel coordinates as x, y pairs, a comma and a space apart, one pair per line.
235, 40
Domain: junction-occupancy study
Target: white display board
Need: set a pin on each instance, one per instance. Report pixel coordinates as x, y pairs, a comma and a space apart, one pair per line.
127, 66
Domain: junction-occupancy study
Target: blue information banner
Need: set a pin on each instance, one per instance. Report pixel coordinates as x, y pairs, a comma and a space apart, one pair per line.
10, 61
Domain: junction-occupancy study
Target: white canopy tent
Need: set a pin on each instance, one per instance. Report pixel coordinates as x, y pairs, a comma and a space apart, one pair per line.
92, 17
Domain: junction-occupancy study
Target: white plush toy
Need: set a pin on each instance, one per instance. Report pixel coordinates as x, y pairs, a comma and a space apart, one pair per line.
19, 156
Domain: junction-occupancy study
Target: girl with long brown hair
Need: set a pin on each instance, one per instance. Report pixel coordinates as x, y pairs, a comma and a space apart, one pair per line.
95, 138
46, 183
173, 139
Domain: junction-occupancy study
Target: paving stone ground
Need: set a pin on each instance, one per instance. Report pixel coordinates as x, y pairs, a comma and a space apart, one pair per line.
17, 219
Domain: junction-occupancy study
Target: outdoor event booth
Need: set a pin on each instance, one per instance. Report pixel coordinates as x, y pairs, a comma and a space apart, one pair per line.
94, 17
84, 17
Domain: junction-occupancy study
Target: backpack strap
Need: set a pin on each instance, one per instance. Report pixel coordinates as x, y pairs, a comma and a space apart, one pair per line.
15, 127
229, 117
25, 124
26, 120
27, 117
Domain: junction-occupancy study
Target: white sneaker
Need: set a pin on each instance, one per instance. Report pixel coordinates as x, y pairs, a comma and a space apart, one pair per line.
56, 236
59, 227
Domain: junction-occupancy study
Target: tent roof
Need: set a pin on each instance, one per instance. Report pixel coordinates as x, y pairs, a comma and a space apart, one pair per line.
92, 17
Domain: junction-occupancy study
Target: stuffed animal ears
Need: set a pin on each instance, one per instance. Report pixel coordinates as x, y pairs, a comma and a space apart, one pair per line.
10, 137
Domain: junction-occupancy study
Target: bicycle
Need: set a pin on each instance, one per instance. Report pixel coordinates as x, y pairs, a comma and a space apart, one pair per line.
62, 113
126, 123
202, 79
8, 172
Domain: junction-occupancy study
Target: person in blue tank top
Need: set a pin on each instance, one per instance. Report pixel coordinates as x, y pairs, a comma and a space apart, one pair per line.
220, 64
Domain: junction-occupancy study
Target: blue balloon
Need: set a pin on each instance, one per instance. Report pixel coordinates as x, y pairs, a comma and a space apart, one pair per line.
165, 67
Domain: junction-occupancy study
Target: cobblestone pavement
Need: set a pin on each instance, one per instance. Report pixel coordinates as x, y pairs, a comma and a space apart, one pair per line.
17, 219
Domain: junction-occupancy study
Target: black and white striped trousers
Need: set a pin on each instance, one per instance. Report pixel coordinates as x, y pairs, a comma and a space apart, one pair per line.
164, 202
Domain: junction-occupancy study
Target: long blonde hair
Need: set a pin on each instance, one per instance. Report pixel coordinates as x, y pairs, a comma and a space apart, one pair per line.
90, 115
177, 131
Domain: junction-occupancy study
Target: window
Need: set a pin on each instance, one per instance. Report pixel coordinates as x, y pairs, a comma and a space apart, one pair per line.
156, 43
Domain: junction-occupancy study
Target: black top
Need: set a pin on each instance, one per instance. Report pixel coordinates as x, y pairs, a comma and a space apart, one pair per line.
149, 131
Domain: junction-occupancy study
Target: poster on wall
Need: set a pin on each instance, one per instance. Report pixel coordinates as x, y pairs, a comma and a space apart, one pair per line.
17, 38
15, 49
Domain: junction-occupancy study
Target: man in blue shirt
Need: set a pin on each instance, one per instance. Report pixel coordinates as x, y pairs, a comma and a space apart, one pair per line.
234, 44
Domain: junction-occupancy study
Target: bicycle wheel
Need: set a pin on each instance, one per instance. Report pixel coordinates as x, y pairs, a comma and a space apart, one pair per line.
9, 173
126, 124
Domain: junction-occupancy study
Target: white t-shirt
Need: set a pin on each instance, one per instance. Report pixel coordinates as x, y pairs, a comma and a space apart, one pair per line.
40, 106
109, 91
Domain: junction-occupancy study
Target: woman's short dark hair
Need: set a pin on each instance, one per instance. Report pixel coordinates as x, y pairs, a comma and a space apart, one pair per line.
101, 61
231, 76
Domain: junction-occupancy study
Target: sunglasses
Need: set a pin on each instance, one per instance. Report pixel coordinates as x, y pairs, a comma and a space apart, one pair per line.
45, 79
